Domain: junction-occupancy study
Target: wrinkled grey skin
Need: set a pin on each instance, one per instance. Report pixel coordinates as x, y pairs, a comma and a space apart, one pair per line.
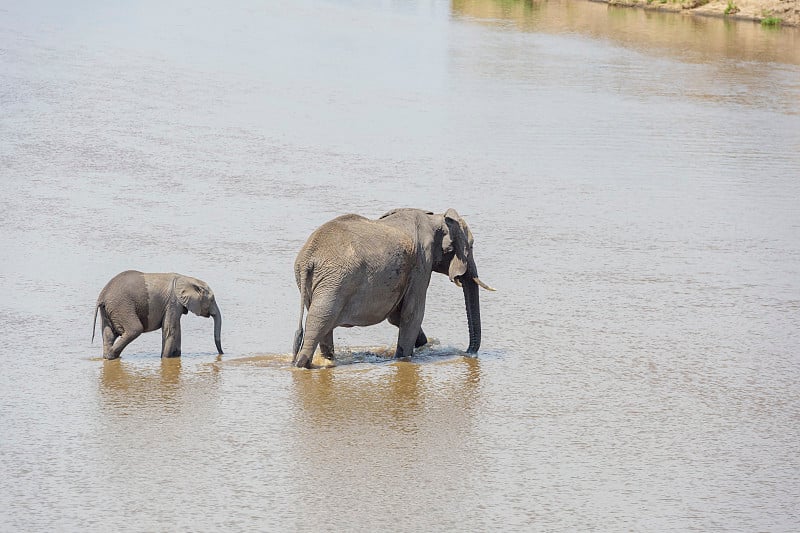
353, 271
135, 302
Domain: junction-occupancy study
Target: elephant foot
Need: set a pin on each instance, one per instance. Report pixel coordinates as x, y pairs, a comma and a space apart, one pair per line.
303, 361
422, 340
400, 355
110, 356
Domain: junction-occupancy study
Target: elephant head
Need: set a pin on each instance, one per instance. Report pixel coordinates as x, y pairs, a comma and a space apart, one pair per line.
196, 296
454, 258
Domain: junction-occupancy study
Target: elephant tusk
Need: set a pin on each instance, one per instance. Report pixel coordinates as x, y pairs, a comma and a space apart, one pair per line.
477, 280
457, 281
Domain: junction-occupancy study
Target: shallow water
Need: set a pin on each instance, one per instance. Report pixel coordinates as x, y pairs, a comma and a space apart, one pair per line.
631, 182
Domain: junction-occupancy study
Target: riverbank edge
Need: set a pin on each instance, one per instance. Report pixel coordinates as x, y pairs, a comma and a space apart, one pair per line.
774, 12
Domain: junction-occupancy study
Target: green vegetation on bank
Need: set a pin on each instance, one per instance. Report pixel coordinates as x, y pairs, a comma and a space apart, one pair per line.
769, 13
731, 8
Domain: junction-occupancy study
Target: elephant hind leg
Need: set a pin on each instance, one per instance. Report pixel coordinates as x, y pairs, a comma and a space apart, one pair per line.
326, 346
109, 334
320, 322
125, 339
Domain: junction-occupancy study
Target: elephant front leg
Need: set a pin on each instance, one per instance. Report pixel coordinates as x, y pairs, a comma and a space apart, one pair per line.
408, 318
422, 339
406, 340
171, 336
395, 320
410, 333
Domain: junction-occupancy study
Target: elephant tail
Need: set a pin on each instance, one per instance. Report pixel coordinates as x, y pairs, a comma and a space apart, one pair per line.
94, 322
302, 277
298, 338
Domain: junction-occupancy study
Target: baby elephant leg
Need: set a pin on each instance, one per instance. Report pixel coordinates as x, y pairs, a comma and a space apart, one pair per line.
125, 339
171, 335
109, 334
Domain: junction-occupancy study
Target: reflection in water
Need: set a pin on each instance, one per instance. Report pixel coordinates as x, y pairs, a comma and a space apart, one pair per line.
401, 419
131, 386
154, 428
688, 37
404, 395
328, 394
634, 194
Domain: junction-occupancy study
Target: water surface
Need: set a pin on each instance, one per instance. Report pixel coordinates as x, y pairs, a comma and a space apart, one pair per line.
631, 182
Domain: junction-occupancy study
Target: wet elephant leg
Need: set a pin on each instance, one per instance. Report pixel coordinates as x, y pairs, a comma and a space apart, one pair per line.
171, 342
410, 324
326, 346
109, 336
125, 339
320, 321
171, 334
406, 338
422, 339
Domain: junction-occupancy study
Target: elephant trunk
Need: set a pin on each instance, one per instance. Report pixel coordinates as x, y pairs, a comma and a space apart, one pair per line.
472, 303
217, 315
470, 283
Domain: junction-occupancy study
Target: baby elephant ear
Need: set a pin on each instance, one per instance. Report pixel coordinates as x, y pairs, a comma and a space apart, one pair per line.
189, 294
458, 265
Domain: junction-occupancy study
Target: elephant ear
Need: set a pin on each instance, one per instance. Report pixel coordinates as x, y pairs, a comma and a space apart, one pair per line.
190, 293
460, 241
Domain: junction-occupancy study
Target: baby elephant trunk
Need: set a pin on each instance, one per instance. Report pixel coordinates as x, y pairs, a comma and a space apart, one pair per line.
217, 316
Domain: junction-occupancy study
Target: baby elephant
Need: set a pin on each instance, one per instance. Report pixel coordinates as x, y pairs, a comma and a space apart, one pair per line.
134, 302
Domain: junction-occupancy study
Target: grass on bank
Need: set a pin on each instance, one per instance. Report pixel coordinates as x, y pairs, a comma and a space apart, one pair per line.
731, 8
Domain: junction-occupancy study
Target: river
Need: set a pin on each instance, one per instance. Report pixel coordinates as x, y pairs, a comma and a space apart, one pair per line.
631, 180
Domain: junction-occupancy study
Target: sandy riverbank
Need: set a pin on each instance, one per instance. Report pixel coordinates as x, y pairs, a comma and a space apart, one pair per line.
788, 11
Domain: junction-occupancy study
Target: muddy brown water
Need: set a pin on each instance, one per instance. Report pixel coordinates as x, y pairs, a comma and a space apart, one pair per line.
631, 180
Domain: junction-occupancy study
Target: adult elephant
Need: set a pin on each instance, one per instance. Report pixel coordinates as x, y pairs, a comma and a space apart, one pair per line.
354, 271
135, 302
